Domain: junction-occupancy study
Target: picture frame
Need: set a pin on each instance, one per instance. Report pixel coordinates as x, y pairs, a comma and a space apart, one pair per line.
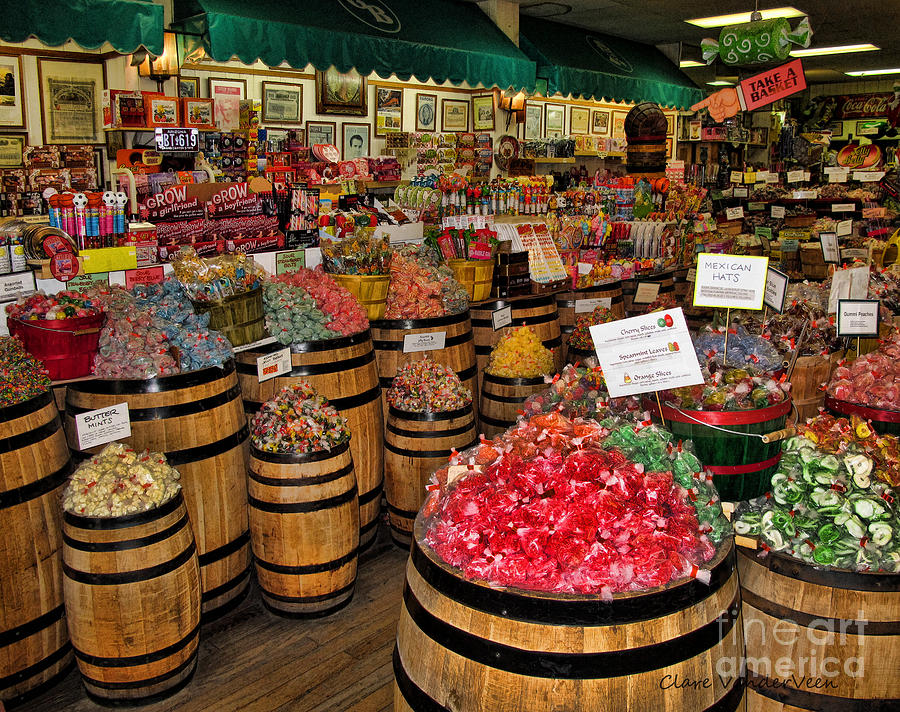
12, 150
554, 119
483, 112
350, 132
71, 94
837, 129
188, 87
213, 83
617, 124
321, 132
579, 120
198, 113
869, 127
695, 130
759, 136
12, 97
670, 147
534, 114
454, 115
282, 103
388, 110
341, 94
600, 122
160, 110
426, 112
227, 94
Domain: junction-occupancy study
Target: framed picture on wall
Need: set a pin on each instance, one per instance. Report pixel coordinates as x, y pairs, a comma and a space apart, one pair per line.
71, 92
533, 114
554, 119
343, 94
12, 149
483, 112
454, 115
189, 87
579, 120
320, 132
228, 94
670, 147
282, 103
216, 84
355, 140
388, 110
12, 103
426, 112
600, 123
670, 125
837, 129
618, 124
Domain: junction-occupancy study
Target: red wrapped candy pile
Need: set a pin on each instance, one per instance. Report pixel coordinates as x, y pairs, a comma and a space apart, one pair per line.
552, 511
872, 379
347, 316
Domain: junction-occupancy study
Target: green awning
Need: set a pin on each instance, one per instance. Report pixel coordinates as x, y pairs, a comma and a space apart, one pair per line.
125, 24
427, 39
589, 65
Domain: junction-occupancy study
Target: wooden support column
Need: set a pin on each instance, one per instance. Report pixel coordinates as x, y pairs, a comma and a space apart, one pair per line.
504, 14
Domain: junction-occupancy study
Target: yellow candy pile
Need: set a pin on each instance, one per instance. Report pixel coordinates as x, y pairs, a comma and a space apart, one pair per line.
520, 354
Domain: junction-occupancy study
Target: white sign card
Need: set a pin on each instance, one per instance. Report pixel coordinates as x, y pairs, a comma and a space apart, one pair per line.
691, 275
730, 281
274, 364
771, 177
585, 306
13, 286
501, 317
795, 176
740, 192
836, 174
776, 289
431, 341
830, 251
737, 176
734, 213
843, 207
858, 317
777, 211
850, 283
652, 352
844, 227
646, 292
868, 176
101, 426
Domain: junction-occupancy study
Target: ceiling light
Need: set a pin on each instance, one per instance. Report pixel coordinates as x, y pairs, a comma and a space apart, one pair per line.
720, 83
872, 72
739, 17
840, 49
690, 63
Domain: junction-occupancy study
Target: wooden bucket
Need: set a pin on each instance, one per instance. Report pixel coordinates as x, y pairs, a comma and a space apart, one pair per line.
742, 465
809, 374
842, 626
34, 465
240, 317
304, 527
343, 370
132, 587
502, 399
454, 331
884, 422
415, 445
475, 276
666, 283
538, 312
197, 420
571, 304
464, 645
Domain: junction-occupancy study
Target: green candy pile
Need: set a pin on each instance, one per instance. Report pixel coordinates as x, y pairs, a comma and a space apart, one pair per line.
292, 315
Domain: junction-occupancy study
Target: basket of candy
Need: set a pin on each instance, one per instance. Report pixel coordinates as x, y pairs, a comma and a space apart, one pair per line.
361, 265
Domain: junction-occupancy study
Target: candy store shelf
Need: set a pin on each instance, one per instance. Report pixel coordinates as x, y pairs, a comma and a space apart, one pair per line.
554, 160
599, 154
152, 129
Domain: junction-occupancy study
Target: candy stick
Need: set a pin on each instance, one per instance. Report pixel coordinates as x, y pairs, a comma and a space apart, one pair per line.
661, 416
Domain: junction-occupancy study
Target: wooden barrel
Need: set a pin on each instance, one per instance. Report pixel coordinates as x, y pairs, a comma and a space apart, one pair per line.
538, 312
132, 587
393, 339
884, 422
819, 639
415, 445
580, 301
343, 370
809, 375
464, 645
197, 420
304, 527
502, 399
742, 465
34, 465
666, 283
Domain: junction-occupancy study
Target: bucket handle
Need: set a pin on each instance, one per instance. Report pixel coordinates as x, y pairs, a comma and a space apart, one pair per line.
777, 435
716, 427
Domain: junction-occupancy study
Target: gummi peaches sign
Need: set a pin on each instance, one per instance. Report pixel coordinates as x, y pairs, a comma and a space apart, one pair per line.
646, 353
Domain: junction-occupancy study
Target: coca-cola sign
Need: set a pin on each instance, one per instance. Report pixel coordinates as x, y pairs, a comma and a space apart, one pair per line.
862, 106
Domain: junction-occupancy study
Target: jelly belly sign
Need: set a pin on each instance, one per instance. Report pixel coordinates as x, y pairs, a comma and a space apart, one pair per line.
729, 281
646, 353
768, 87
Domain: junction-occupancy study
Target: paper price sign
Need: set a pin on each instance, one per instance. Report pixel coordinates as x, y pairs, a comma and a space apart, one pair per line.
844, 227
585, 306
652, 352
274, 364
646, 292
858, 317
101, 426
740, 192
736, 176
730, 281
868, 176
830, 251
790, 245
691, 275
776, 289
734, 213
795, 176
750, 177
843, 208
501, 317
771, 177
13, 286
432, 341
756, 206
290, 261
777, 211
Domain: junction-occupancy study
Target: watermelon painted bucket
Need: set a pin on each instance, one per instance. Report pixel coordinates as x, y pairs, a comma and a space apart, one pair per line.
884, 422
742, 465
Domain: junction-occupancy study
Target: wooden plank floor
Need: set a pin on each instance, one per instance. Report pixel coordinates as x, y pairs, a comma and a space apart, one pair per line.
253, 661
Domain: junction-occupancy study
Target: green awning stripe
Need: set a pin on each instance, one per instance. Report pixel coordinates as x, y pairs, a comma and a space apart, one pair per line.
125, 24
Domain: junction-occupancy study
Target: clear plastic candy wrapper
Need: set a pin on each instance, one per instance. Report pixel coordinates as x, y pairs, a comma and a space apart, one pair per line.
427, 387
729, 389
217, 278
298, 420
873, 379
744, 349
421, 287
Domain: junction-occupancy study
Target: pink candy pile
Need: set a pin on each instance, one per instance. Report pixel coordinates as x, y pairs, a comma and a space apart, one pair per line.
872, 379
347, 316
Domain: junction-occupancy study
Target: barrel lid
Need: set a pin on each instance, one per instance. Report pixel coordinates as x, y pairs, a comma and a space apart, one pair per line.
404, 324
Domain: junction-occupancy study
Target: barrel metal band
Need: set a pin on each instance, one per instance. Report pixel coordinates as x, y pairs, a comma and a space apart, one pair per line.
504, 399
126, 544
371, 495
521, 320
401, 512
301, 481
30, 437
299, 458
224, 551
426, 323
144, 682
572, 666
356, 401
47, 684
135, 576
792, 568
127, 387
542, 300
488, 420
27, 673
320, 598
315, 369
38, 488
225, 587
570, 303
316, 505
430, 416
144, 659
129, 520
308, 568
341, 342
804, 699
430, 434
424, 454
179, 410
449, 341
205, 452
35, 625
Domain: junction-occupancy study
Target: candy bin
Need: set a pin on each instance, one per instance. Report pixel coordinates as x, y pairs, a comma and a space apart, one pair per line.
574, 303
430, 416
476, 276
304, 512
360, 264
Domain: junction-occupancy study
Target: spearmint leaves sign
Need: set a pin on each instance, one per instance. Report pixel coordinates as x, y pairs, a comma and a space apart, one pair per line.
646, 353
729, 281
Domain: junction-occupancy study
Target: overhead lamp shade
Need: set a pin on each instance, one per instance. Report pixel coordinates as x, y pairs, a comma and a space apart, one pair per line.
166, 65
511, 103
